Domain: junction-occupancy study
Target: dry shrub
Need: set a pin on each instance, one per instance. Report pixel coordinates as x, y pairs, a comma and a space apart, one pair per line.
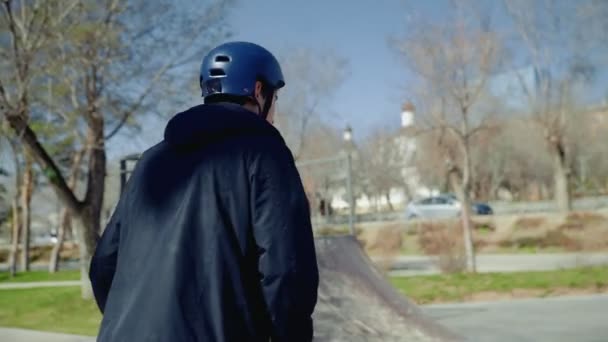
479, 244
506, 243
594, 240
529, 223
552, 238
557, 238
588, 229
583, 220
40, 253
444, 241
484, 226
386, 244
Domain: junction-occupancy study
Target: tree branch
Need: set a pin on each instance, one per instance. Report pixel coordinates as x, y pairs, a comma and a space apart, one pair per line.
135, 106
4, 97
45, 161
305, 119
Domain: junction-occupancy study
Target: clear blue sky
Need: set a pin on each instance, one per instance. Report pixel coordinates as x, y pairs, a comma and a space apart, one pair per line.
357, 30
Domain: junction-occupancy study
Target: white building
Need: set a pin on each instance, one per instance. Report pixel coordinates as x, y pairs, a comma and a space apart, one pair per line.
405, 142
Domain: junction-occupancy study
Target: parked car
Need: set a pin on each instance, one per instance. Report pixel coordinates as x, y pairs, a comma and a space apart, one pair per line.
442, 206
479, 208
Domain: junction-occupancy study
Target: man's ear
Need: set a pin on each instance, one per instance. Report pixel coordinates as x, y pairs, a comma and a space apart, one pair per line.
258, 91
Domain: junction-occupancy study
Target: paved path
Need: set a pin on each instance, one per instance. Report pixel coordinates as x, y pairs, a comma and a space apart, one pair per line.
419, 265
22, 335
408, 265
562, 319
37, 284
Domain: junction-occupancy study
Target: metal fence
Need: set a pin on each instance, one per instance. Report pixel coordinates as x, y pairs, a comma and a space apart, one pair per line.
332, 172
322, 177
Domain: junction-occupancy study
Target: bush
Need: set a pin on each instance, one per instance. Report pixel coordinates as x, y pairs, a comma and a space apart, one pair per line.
557, 238
529, 223
552, 238
444, 241
483, 229
581, 220
385, 243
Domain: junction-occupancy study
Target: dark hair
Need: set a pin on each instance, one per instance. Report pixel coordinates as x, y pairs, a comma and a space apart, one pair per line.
267, 91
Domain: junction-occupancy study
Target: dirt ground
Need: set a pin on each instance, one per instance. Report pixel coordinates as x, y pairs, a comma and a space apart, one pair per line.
43, 253
534, 233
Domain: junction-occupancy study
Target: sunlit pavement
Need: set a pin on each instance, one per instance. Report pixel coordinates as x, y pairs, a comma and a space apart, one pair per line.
561, 319
22, 335
421, 265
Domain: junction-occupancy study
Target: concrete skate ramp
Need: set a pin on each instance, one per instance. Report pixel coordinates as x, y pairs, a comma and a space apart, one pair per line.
356, 303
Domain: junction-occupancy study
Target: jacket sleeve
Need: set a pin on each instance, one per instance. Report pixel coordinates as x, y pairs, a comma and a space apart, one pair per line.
103, 263
283, 234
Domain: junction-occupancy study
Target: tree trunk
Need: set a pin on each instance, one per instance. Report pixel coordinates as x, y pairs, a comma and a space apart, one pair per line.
561, 182
468, 233
65, 217
90, 215
64, 224
388, 200
87, 239
87, 212
16, 229
463, 192
26, 200
16, 210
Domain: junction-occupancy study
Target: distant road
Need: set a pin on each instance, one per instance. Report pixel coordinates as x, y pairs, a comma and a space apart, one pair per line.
418, 265
563, 319
411, 265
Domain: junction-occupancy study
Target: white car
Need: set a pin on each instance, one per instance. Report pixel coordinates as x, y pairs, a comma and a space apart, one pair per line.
443, 206
434, 207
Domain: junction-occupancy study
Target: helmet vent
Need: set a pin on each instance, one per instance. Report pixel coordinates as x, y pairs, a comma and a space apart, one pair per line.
222, 58
217, 72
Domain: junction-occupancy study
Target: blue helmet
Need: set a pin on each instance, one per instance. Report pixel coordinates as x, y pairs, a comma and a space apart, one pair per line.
232, 69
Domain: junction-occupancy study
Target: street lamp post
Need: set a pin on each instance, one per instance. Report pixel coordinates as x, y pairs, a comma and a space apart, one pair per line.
348, 136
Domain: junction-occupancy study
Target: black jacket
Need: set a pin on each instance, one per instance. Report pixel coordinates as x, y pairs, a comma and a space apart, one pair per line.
211, 240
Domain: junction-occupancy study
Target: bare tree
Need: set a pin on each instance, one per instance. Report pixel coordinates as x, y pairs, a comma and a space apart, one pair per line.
113, 60
436, 147
312, 79
382, 163
548, 30
512, 158
454, 61
320, 142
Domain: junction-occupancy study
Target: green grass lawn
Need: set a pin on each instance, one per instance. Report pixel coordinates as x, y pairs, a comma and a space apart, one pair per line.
39, 276
61, 309
530, 250
58, 309
442, 288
